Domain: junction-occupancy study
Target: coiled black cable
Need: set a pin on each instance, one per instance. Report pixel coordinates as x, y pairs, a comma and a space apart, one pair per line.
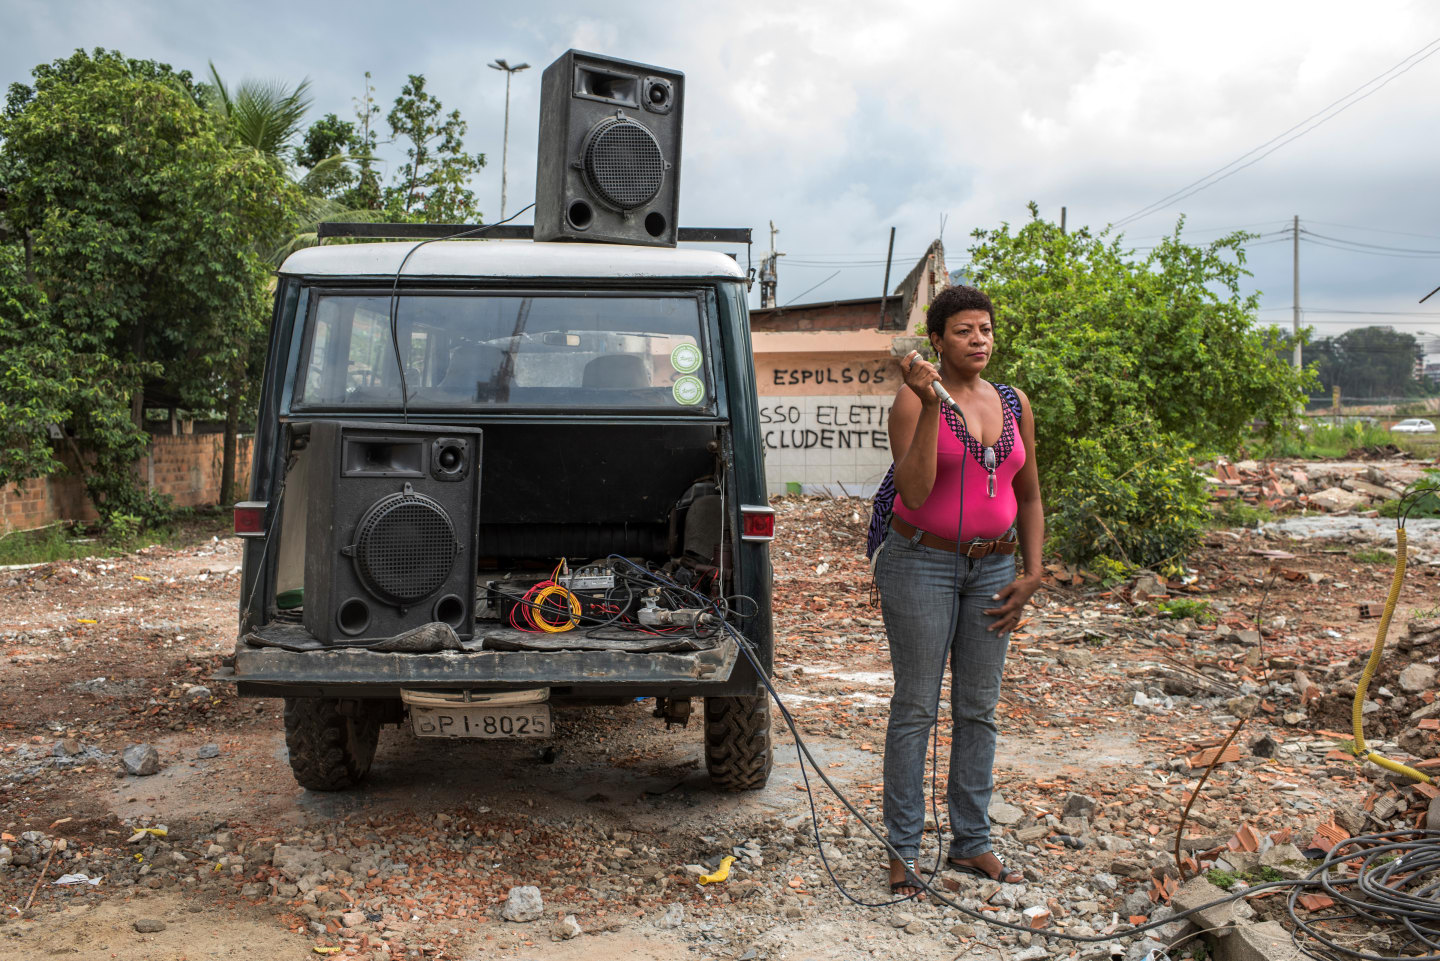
1397, 884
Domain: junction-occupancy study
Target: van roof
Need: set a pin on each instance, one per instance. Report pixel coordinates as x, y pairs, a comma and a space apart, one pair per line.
512, 258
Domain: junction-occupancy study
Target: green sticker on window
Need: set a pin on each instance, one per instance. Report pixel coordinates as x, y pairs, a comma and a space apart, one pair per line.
685, 358
688, 391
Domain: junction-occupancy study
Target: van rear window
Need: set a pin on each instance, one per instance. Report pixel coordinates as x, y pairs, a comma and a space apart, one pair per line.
590, 351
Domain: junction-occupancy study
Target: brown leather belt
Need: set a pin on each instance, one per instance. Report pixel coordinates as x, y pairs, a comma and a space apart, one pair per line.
971, 549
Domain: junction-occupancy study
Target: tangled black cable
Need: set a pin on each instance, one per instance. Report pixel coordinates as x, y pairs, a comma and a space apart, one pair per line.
1395, 884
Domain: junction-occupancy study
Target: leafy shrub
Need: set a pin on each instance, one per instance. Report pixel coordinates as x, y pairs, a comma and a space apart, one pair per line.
1136, 367
1132, 494
1235, 512
1182, 607
1109, 570
123, 527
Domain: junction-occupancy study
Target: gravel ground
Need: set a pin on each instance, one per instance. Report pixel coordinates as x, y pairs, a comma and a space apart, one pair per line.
1106, 705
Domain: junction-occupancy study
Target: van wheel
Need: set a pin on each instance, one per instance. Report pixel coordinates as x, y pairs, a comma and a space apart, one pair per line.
738, 749
329, 751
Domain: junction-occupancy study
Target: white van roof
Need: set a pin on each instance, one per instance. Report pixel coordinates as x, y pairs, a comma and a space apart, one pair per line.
512, 259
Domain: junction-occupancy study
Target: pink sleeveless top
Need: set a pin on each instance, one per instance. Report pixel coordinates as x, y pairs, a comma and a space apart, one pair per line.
985, 516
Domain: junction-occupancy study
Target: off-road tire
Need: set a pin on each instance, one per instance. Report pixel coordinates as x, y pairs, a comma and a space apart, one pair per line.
738, 748
329, 751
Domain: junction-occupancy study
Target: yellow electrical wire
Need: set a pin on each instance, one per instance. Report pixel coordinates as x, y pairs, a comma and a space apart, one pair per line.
538, 604
1358, 708
538, 610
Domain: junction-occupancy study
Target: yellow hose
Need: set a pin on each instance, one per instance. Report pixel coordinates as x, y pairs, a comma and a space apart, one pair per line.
1358, 708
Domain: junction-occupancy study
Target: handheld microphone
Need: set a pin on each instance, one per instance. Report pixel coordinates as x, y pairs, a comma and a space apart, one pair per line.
939, 388
944, 396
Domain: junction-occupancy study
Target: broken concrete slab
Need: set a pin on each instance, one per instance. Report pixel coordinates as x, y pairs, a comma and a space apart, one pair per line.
1417, 678
1197, 891
1336, 499
1268, 941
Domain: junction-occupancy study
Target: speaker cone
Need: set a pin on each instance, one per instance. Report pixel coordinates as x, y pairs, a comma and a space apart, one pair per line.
623, 163
405, 546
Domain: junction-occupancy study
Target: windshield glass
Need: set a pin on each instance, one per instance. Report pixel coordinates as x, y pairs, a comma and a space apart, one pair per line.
488, 349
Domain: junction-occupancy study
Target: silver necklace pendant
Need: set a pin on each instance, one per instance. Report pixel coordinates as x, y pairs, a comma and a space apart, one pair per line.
988, 459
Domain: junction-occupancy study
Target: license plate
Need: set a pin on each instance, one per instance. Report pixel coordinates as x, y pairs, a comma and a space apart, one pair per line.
519, 720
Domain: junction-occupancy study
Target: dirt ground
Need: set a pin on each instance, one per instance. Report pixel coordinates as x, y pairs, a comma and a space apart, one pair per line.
613, 818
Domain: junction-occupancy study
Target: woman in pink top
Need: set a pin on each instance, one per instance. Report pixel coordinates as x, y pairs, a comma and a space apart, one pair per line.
967, 494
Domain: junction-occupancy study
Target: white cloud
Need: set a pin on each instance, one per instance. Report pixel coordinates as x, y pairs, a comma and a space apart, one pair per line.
838, 119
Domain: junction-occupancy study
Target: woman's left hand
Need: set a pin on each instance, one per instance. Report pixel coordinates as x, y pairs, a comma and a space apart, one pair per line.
1013, 597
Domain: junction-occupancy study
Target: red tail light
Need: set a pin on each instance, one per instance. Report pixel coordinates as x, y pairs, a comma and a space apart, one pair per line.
250, 518
759, 523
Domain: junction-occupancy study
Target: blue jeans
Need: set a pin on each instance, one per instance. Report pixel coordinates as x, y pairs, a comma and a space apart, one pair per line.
917, 599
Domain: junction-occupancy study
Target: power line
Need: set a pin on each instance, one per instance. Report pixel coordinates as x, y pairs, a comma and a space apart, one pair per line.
1377, 313
1213, 230
1361, 243
1325, 114
1378, 230
1373, 253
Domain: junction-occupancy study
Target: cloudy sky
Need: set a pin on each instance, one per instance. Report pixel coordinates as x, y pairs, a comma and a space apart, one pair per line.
837, 121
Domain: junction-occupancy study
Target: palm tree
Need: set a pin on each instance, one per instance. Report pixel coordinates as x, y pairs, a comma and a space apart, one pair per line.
267, 116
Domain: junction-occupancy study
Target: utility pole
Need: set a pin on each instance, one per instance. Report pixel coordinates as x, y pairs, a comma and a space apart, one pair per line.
1295, 321
505, 142
885, 290
769, 272
1062, 220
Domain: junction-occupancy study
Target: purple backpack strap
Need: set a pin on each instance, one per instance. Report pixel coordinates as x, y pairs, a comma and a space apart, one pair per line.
1011, 399
880, 510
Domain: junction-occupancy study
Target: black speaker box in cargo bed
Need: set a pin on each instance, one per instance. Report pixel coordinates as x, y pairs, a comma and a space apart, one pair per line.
390, 538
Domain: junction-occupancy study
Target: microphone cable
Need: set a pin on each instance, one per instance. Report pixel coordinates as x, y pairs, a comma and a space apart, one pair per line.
394, 308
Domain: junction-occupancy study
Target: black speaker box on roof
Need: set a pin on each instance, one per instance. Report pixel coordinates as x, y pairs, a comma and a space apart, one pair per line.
609, 154
390, 537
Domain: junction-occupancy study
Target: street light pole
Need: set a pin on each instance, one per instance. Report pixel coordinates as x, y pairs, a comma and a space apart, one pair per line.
505, 142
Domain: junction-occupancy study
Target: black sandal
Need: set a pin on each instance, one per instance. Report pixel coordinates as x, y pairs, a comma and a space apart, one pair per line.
1005, 871
910, 880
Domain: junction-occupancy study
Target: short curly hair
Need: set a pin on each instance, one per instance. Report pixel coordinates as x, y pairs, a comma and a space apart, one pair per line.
951, 301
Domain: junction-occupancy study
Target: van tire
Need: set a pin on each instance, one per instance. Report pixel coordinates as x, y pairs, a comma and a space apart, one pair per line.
738, 747
329, 751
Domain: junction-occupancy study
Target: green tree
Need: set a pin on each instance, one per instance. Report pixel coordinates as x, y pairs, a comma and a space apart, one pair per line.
146, 228
367, 193
1136, 366
431, 185
325, 138
1367, 362
37, 379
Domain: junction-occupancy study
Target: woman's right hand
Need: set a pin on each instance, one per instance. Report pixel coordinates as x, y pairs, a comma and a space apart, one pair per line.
919, 375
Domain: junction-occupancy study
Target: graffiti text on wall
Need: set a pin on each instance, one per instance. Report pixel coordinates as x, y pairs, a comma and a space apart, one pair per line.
848, 374
828, 427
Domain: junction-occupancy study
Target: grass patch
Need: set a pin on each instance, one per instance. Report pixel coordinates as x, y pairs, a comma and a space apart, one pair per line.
1330, 442
1372, 555
1234, 512
1182, 607
67, 542
1225, 880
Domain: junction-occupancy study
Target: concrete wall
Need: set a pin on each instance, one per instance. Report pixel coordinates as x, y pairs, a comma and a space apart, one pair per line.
825, 401
185, 467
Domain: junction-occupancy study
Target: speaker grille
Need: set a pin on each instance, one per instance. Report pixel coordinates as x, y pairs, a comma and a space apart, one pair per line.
405, 546
623, 163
